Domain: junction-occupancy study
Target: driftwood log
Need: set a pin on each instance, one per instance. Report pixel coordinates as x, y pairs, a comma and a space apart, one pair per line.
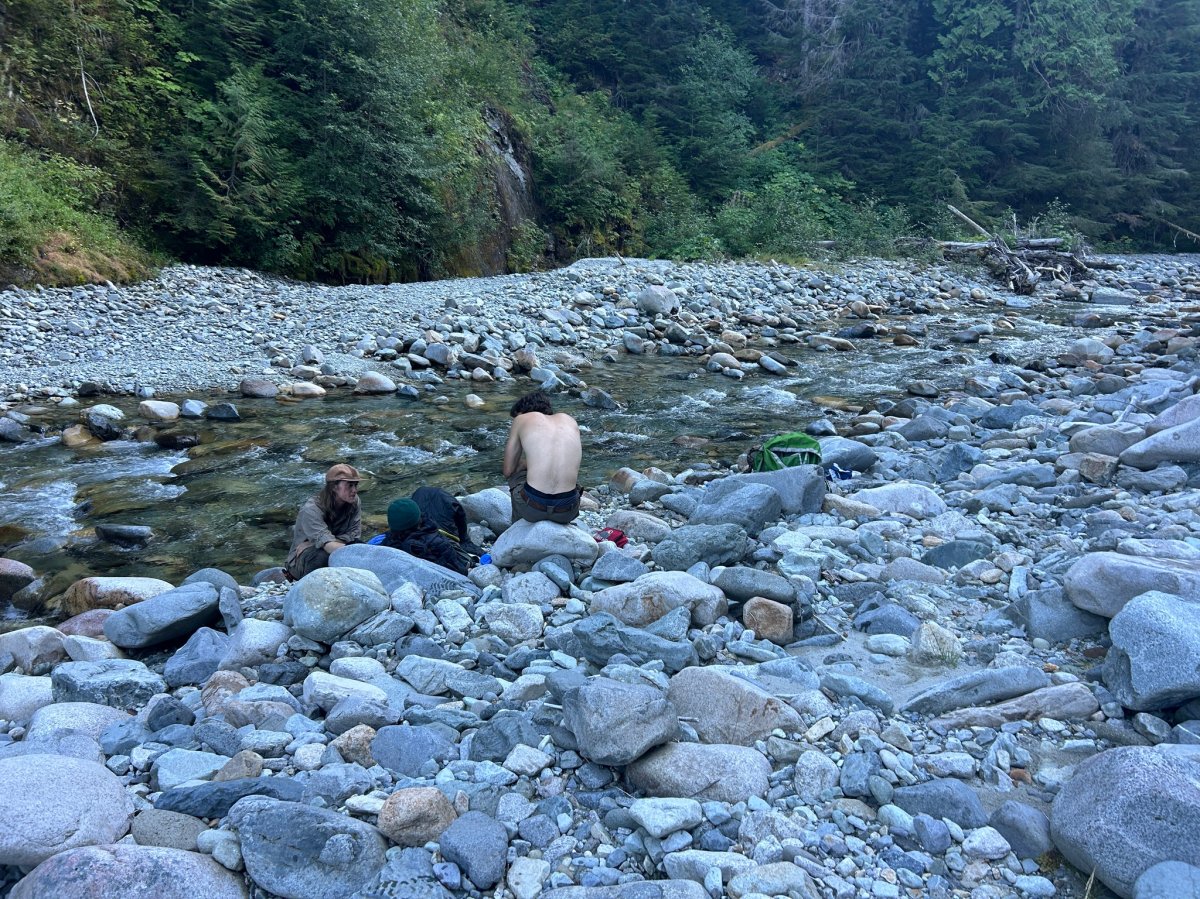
1025, 263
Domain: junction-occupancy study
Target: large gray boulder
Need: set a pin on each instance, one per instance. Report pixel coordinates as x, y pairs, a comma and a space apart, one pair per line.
1128, 809
653, 595
169, 615
1154, 661
1179, 444
1187, 409
21, 696
327, 603
615, 723
491, 507
52, 803
120, 683
749, 505
741, 583
527, 543
197, 659
801, 488
715, 544
131, 872
702, 771
394, 568
298, 850
846, 453
914, 500
1109, 440
601, 636
657, 300
729, 709
978, 688
1103, 582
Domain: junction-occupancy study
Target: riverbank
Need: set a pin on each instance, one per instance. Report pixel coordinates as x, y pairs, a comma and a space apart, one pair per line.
201, 329
966, 671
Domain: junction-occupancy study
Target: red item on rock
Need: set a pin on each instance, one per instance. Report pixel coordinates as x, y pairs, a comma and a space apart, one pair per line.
616, 535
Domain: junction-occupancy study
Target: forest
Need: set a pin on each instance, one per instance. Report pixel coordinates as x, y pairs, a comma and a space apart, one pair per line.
374, 140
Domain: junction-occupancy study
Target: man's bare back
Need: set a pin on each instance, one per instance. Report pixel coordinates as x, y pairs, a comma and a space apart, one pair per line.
548, 447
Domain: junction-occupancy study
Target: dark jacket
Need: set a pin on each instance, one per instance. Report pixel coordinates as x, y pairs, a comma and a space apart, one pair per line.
425, 542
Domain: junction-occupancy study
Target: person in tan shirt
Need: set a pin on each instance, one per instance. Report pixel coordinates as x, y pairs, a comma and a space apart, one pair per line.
541, 461
327, 522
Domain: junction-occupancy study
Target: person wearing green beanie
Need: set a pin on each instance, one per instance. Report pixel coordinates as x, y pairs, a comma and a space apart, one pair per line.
403, 515
408, 532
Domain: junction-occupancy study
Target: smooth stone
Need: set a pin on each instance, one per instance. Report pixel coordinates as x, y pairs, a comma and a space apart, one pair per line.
215, 799
943, 798
33, 650
913, 500
327, 603
131, 872
394, 568
21, 696
1102, 582
478, 844
1062, 702
299, 850
702, 771
416, 816
714, 544
601, 636
167, 616
1178, 444
170, 830
653, 595
616, 723
42, 819
1127, 809
527, 543
729, 709
1168, 880
111, 592
1154, 661
120, 683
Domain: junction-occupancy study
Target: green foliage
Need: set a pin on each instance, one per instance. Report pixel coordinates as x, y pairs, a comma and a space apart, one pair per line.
46, 225
368, 139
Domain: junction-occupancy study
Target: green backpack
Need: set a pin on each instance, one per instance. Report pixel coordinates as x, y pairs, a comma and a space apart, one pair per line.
786, 451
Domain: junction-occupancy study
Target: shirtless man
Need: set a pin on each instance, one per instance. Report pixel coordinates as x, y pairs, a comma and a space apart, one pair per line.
541, 461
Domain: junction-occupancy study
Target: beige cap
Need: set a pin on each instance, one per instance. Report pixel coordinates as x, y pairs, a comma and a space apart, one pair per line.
342, 472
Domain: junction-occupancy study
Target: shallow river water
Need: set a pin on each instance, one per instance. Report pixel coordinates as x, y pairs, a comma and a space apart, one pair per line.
230, 502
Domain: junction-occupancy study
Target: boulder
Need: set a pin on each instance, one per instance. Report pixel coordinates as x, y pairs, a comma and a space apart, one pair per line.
749, 505
415, 816
714, 544
978, 688
259, 388
801, 488
1127, 809
52, 803
914, 500
846, 453
727, 708
120, 683
601, 636
615, 723
478, 844
741, 583
1103, 582
1108, 440
197, 659
702, 771
1180, 444
1154, 661
943, 798
167, 616
87, 718
1187, 409
394, 568
527, 543
131, 872
491, 507
158, 410
657, 300
327, 603
33, 650
299, 850
372, 382
110, 592
252, 643
14, 577
769, 620
1168, 880
653, 595
21, 696
1063, 702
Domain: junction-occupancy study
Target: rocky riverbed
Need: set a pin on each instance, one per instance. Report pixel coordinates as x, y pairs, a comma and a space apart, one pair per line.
968, 670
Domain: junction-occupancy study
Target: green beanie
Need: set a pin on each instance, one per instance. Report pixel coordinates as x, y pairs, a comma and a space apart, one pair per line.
403, 515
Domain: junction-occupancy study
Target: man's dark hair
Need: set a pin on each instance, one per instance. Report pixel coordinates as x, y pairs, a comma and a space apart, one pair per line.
532, 402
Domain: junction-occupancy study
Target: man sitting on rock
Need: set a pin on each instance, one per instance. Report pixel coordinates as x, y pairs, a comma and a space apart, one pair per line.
408, 531
541, 461
327, 522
